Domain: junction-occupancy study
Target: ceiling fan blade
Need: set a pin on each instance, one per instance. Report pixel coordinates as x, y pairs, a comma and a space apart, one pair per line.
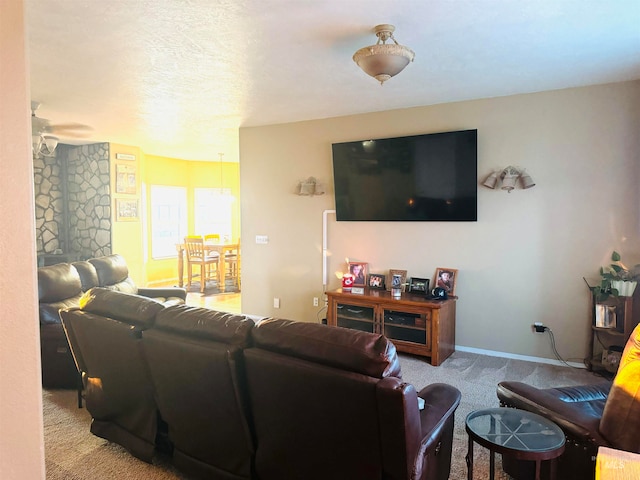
72, 134
64, 127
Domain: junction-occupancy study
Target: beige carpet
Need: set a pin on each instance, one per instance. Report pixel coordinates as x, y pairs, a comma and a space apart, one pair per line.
73, 453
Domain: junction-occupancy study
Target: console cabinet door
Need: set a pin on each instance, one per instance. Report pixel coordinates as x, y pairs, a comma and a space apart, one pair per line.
356, 316
411, 327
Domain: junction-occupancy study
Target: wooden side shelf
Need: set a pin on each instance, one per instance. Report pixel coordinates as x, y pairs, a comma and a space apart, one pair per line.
627, 317
412, 322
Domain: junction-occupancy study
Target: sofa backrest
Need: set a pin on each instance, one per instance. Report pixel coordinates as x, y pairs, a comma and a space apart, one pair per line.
113, 273
315, 388
59, 287
88, 274
195, 359
620, 420
106, 332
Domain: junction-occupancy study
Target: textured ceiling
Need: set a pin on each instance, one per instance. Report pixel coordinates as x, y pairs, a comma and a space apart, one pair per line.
179, 77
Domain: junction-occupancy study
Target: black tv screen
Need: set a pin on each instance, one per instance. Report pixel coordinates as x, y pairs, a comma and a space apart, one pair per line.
431, 177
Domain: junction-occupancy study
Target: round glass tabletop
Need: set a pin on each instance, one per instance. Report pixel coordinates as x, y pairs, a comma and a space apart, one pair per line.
515, 429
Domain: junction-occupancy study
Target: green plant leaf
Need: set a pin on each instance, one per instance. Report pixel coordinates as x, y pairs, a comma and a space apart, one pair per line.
615, 256
617, 268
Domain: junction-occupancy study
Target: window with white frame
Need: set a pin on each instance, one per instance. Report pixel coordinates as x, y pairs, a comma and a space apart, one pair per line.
213, 211
168, 219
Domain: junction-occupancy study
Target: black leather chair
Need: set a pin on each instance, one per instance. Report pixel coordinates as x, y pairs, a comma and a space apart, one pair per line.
195, 360
605, 414
105, 334
59, 286
112, 272
329, 403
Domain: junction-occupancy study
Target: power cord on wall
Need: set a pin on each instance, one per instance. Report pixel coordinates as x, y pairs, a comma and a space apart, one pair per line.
544, 328
318, 314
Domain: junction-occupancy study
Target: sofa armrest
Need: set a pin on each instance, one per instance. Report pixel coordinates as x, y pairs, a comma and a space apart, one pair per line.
166, 292
576, 410
436, 423
440, 403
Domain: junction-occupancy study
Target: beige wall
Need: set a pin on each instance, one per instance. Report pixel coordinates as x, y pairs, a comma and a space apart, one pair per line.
522, 262
21, 438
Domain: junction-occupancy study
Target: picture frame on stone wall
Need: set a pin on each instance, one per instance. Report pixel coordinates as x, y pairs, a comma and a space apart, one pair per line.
126, 179
126, 210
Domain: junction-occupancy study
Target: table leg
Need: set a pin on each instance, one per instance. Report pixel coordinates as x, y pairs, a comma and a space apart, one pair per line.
492, 465
538, 462
180, 266
469, 459
553, 468
222, 270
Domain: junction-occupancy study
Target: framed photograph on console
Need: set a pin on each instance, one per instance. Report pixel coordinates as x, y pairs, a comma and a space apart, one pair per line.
359, 272
418, 285
446, 278
376, 281
396, 279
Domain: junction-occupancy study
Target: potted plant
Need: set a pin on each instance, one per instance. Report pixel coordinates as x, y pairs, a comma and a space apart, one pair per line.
617, 279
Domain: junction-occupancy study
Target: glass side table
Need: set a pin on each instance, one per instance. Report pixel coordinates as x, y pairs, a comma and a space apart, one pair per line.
517, 433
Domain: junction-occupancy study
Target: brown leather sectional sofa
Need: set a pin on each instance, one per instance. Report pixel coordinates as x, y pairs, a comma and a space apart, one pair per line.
233, 399
61, 286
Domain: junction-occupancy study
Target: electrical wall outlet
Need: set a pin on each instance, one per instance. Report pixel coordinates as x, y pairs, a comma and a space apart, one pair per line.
276, 303
538, 327
315, 301
262, 239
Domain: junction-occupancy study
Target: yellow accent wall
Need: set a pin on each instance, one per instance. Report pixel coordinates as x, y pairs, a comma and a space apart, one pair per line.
126, 236
158, 170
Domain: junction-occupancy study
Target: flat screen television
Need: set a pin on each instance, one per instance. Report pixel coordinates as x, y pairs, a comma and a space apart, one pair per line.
424, 178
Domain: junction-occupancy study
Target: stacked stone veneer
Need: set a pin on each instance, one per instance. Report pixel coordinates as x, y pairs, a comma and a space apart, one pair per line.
73, 201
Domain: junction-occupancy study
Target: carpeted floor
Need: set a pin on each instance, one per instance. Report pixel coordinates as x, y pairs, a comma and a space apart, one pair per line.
73, 453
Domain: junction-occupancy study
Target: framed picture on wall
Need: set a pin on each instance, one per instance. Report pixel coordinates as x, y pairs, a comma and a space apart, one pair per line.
126, 179
126, 210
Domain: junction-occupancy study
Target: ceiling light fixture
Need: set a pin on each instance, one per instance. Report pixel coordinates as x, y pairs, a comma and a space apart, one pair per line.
384, 60
44, 145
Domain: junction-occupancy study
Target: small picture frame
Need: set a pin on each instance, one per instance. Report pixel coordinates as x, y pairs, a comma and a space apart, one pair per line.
359, 272
126, 179
396, 279
376, 281
419, 285
446, 278
126, 210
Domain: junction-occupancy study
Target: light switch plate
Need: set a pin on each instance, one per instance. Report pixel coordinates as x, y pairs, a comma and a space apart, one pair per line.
262, 239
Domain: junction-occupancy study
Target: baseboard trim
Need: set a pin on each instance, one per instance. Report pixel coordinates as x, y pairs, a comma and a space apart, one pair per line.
515, 356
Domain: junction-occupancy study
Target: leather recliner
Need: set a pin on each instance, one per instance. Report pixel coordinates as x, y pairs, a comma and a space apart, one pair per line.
113, 273
195, 359
105, 333
330, 403
61, 286
606, 414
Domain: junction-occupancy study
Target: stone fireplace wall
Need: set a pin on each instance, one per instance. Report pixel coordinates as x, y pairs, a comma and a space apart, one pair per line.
73, 201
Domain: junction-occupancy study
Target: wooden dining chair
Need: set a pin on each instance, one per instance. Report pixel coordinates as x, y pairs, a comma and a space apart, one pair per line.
232, 265
198, 256
212, 238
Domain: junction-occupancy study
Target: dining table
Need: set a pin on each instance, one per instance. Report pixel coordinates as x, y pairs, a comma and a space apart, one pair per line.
221, 248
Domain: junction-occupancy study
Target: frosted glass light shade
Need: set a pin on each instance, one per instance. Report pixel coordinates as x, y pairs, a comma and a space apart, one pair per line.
491, 181
383, 61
